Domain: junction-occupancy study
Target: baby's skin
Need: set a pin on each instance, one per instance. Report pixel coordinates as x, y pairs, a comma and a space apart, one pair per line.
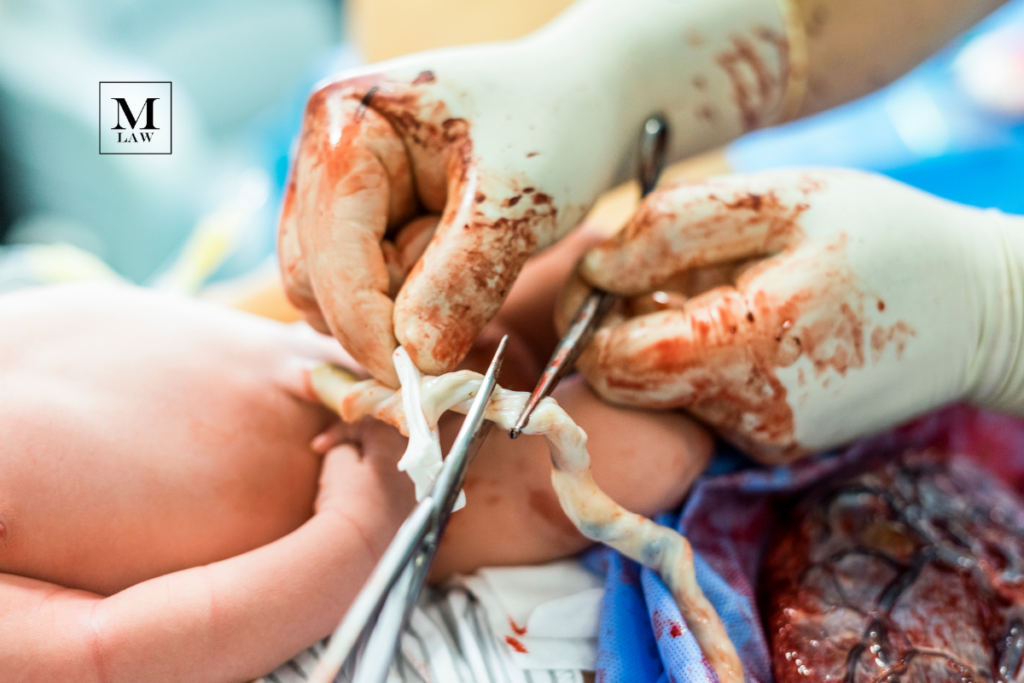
176, 507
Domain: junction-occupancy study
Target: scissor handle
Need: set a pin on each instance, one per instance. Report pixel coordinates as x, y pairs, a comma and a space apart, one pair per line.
653, 147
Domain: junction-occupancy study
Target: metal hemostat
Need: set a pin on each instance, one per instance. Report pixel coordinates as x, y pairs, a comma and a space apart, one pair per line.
590, 314
367, 639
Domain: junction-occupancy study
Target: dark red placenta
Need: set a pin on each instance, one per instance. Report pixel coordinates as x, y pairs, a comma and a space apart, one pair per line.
913, 571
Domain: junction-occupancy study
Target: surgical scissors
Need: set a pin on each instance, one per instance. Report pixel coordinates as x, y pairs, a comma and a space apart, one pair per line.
366, 640
653, 144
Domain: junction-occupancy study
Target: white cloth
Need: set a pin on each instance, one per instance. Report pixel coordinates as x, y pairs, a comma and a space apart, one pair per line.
547, 615
500, 625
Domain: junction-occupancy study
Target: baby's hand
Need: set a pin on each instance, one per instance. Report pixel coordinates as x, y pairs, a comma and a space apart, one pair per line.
360, 481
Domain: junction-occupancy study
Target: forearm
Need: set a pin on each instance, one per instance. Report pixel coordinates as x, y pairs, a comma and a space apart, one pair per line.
996, 377
225, 622
236, 619
715, 68
720, 68
856, 46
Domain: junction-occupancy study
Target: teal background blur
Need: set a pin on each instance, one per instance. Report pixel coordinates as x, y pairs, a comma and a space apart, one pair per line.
940, 128
242, 71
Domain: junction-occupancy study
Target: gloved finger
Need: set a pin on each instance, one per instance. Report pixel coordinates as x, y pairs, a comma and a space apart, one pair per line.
532, 307
294, 276
688, 226
717, 358
408, 246
575, 291
351, 187
482, 242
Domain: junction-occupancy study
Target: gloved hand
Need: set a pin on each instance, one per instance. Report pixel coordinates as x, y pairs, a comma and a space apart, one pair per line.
507, 145
854, 303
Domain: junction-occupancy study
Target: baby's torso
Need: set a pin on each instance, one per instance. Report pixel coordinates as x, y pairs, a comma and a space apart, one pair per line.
127, 460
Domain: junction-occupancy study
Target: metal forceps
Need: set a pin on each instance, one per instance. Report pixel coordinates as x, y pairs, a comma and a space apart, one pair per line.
653, 144
366, 641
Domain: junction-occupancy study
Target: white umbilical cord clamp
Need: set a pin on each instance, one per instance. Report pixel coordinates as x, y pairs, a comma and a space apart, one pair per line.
422, 458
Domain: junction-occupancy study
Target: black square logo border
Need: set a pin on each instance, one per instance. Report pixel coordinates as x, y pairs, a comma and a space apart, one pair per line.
99, 121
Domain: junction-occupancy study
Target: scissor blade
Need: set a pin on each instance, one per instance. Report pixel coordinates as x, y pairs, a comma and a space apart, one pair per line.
365, 608
653, 146
377, 656
588, 317
445, 490
407, 566
471, 436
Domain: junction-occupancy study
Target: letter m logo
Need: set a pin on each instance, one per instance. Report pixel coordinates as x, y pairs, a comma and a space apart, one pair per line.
133, 120
135, 117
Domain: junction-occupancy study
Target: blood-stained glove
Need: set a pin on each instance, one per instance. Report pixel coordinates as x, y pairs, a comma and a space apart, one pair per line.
853, 303
507, 145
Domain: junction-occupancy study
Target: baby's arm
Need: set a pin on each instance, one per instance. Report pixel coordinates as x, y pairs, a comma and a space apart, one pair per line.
228, 621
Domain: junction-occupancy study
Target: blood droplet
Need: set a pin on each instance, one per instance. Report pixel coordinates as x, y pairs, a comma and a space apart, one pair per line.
516, 645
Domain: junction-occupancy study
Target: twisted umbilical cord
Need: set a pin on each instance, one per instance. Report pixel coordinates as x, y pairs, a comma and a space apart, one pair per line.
596, 515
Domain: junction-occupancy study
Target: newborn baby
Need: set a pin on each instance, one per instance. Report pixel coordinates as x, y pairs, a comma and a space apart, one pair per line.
167, 513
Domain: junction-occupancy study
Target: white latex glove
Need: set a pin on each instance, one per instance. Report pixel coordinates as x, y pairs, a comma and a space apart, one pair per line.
858, 302
509, 144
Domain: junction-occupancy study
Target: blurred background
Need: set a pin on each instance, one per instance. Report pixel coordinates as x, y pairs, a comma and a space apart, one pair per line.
204, 218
